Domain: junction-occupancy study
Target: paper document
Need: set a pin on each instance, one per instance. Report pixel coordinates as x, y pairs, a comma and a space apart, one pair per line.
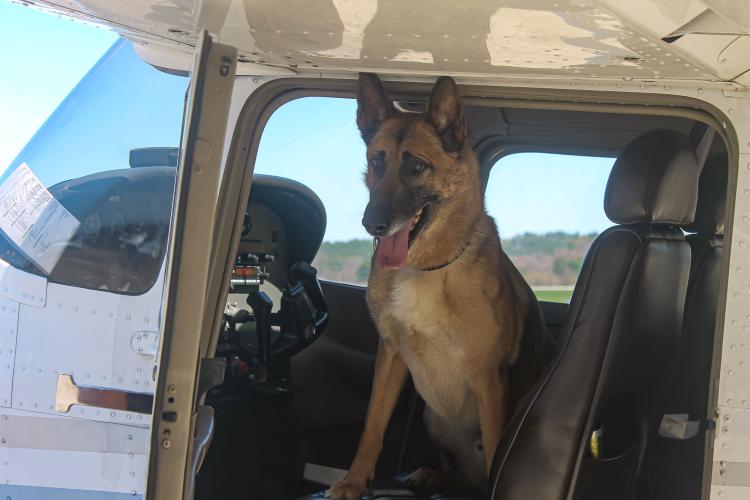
33, 219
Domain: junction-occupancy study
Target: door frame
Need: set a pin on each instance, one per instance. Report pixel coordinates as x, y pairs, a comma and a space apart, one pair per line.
176, 414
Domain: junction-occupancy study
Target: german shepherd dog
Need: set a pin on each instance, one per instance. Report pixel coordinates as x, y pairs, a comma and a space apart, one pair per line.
450, 307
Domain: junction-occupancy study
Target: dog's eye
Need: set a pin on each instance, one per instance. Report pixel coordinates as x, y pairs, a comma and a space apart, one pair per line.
417, 165
376, 164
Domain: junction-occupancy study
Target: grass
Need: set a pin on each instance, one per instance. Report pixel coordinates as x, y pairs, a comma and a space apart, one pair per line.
554, 295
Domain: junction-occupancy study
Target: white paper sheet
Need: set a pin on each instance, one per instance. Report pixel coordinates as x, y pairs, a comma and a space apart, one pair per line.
34, 219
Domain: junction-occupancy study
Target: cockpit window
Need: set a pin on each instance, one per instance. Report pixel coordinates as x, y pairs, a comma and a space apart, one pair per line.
315, 141
548, 209
88, 201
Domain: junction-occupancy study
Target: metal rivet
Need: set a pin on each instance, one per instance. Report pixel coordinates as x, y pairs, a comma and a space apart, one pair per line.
172, 389
166, 443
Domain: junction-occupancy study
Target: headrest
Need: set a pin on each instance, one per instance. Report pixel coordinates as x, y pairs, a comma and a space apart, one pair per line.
654, 180
712, 196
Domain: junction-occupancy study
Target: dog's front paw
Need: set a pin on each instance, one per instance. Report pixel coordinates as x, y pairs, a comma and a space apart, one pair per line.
349, 488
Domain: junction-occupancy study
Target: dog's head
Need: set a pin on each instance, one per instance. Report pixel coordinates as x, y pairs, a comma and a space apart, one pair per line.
417, 165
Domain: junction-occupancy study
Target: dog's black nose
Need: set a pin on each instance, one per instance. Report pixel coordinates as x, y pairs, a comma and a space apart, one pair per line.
376, 230
375, 221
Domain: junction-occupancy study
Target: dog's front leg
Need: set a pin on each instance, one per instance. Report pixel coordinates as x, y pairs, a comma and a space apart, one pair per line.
490, 388
390, 373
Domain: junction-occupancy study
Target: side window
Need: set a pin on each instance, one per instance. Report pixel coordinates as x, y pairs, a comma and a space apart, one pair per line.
315, 141
548, 209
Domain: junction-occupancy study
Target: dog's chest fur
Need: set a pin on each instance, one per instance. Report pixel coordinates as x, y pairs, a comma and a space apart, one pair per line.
430, 341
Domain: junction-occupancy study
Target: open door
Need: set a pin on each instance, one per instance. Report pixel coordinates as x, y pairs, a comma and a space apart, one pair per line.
182, 427
104, 255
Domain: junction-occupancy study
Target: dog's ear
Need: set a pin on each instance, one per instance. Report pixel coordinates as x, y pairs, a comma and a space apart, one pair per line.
373, 106
447, 114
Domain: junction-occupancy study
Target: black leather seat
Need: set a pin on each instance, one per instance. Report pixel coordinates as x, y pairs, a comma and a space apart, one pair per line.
624, 322
677, 465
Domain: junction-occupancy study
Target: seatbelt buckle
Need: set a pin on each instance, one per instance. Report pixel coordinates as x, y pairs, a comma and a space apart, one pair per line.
678, 426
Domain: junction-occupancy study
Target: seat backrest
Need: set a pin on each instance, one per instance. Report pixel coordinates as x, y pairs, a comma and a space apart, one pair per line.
624, 319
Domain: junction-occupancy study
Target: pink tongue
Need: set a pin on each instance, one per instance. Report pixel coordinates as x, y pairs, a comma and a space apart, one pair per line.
392, 250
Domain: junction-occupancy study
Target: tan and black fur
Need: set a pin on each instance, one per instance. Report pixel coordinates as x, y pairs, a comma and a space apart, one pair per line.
458, 316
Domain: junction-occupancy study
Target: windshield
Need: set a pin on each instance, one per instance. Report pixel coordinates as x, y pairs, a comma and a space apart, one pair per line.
88, 201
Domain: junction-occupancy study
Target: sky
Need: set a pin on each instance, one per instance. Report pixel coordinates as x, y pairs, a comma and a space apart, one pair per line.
312, 140
43, 57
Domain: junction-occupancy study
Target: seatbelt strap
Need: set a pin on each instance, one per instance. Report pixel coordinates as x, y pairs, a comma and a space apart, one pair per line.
704, 146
